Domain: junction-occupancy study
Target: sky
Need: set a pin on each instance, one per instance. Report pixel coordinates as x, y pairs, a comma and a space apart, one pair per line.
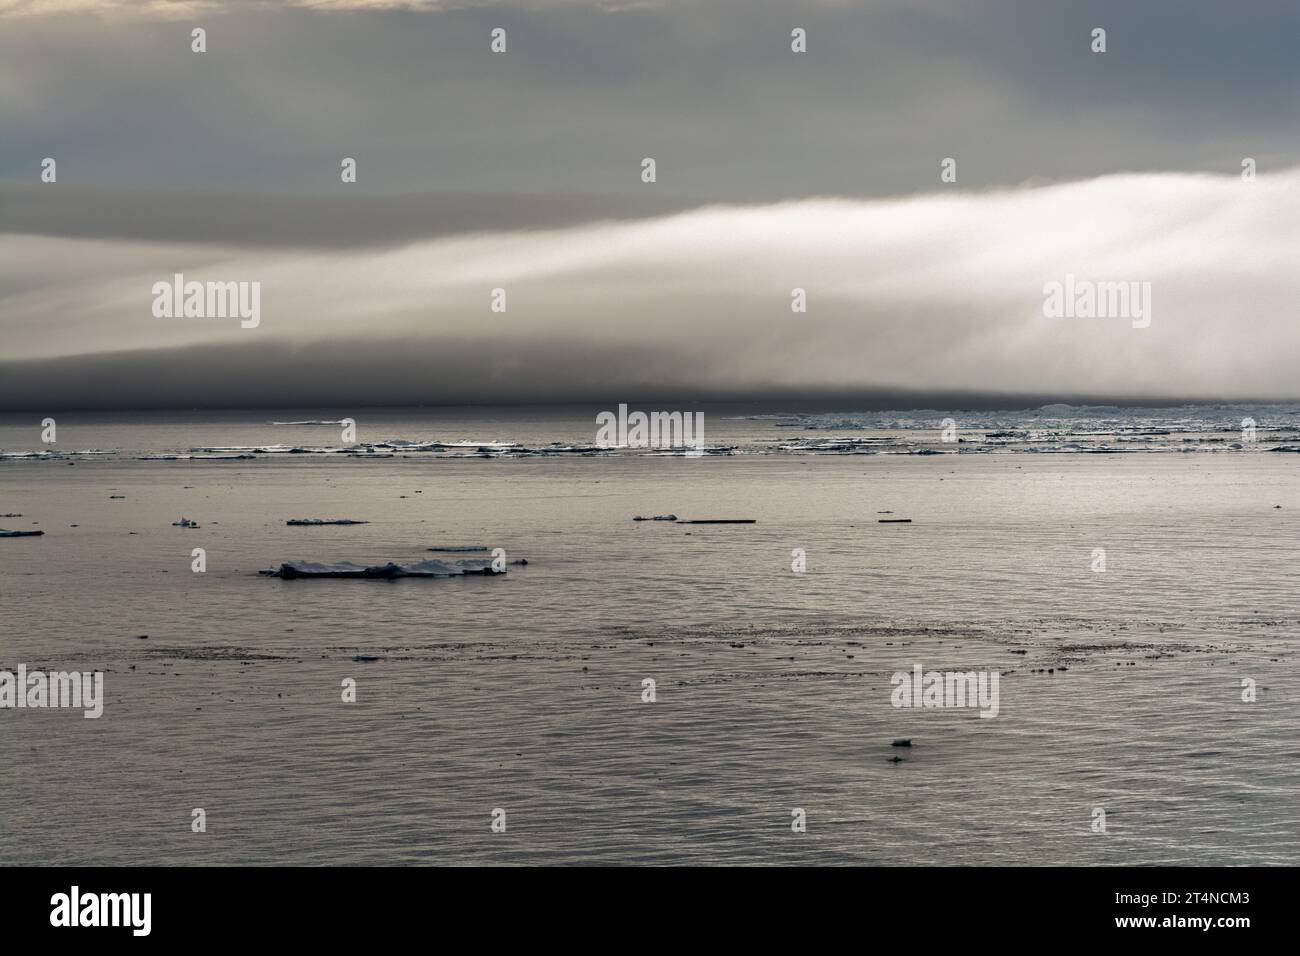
522, 171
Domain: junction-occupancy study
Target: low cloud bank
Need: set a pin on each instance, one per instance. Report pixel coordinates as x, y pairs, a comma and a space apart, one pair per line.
941, 293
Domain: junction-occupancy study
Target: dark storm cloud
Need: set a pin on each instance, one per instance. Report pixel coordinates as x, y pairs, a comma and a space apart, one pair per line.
364, 372
712, 91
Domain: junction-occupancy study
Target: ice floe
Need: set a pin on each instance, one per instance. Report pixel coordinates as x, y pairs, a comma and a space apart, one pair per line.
1052, 429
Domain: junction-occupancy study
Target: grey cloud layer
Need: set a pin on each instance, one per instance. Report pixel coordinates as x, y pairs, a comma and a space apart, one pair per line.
273, 220
522, 171
712, 91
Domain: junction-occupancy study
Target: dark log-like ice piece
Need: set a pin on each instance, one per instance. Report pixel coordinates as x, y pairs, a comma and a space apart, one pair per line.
20, 534
721, 521
316, 521
416, 569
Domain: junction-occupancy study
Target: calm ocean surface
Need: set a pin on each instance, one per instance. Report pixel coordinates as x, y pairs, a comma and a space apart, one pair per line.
1120, 690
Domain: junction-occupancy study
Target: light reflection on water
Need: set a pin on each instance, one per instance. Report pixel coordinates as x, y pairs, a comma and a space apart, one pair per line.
773, 688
